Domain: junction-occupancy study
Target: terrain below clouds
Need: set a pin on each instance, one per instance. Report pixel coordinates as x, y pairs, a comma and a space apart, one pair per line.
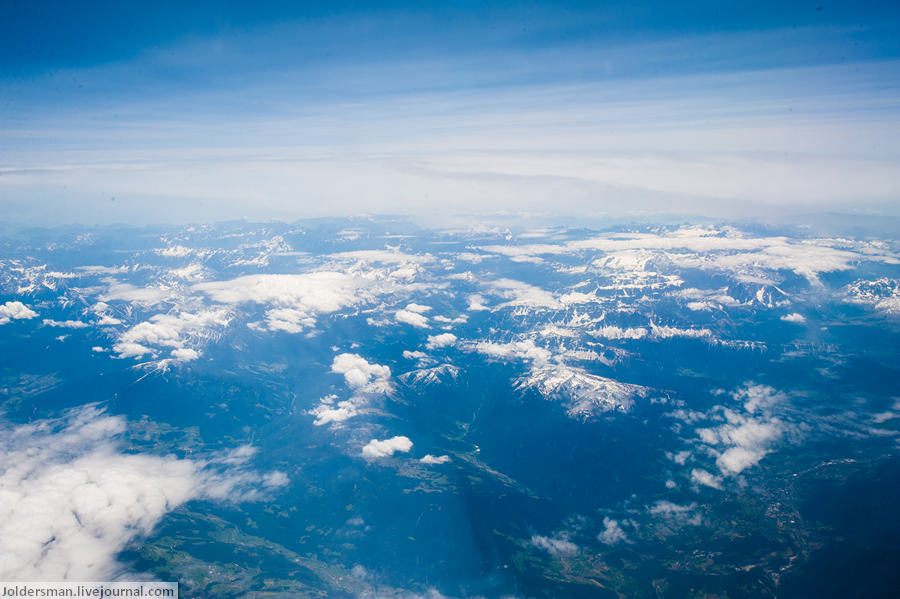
366, 408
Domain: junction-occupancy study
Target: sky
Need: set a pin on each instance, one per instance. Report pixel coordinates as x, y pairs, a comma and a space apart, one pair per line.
170, 112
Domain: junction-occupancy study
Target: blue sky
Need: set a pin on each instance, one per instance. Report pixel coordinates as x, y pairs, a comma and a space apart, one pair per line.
153, 112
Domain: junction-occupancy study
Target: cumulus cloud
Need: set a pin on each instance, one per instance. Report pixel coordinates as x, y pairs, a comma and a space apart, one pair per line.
745, 437
357, 371
412, 318
442, 340
296, 300
706, 299
185, 354
516, 350
612, 532
794, 317
329, 412
379, 449
518, 293
71, 500
702, 477
15, 311
418, 308
558, 546
675, 514
365, 379
476, 303
171, 330
423, 359
431, 459
65, 324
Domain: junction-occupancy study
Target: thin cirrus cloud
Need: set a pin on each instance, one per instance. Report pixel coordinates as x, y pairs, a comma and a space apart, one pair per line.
283, 121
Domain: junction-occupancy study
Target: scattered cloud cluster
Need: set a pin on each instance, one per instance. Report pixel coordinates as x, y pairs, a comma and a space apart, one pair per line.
612, 532
71, 499
173, 332
675, 515
746, 436
295, 300
366, 381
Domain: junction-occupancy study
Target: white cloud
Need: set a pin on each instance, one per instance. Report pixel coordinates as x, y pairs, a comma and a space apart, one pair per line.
185, 354
65, 324
745, 438
275, 479
412, 318
476, 303
367, 381
516, 350
418, 308
357, 371
612, 532
379, 449
442, 340
702, 477
71, 500
758, 397
170, 330
713, 299
430, 459
295, 299
794, 317
147, 296
675, 514
555, 546
458, 320
329, 412
289, 320
518, 293
14, 311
